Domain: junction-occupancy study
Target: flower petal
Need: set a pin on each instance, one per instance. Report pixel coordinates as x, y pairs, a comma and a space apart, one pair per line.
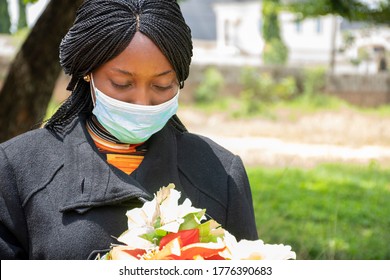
171, 251
171, 213
163, 193
186, 237
132, 239
139, 217
126, 253
277, 252
255, 250
204, 250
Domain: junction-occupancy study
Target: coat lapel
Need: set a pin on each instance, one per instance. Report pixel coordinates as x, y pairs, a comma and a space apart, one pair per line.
92, 182
159, 167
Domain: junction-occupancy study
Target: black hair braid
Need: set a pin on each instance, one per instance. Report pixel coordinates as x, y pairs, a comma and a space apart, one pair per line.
102, 30
77, 102
172, 28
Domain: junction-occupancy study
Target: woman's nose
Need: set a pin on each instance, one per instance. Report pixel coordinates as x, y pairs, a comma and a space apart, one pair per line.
142, 97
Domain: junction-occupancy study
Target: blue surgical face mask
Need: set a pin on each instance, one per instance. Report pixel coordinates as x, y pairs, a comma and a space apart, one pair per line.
132, 123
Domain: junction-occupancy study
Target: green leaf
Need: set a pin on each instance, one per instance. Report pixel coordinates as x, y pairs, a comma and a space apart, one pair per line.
154, 237
160, 232
149, 236
192, 220
210, 231
29, 1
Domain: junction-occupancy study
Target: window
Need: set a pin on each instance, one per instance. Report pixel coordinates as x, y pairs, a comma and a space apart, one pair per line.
318, 26
298, 26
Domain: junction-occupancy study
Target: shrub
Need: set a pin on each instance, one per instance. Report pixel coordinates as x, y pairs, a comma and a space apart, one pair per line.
314, 81
262, 89
210, 86
275, 53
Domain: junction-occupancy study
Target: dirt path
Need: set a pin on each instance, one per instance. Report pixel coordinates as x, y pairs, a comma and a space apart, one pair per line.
306, 140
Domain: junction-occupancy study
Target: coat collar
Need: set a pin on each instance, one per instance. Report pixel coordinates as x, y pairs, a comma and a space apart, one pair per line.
92, 182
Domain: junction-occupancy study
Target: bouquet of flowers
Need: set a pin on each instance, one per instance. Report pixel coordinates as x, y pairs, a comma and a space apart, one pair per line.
163, 229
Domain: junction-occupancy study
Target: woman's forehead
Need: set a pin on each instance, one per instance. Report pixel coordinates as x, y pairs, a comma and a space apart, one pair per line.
141, 56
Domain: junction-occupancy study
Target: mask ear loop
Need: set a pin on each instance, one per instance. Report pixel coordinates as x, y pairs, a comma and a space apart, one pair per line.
93, 91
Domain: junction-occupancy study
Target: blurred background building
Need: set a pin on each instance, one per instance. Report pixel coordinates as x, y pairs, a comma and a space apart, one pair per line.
229, 32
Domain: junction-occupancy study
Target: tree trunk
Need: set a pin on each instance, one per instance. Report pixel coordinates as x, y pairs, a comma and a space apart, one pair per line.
32, 76
333, 50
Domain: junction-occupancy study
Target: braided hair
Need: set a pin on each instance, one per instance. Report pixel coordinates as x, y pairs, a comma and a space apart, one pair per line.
102, 30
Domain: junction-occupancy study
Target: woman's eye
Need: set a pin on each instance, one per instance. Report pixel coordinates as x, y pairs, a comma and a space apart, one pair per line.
163, 88
120, 86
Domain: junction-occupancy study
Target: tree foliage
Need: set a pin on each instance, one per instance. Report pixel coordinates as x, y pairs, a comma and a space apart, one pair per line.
275, 51
271, 28
5, 21
22, 21
353, 10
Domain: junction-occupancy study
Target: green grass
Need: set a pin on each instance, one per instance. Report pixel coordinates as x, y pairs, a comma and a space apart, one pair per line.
381, 111
328, 212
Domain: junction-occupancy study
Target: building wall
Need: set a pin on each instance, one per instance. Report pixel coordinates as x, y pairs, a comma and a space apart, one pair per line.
238, 27
239, 31
312, 40
361, 90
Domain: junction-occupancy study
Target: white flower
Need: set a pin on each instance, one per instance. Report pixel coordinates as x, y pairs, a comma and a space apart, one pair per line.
133, 240
172, 213
255, 250
277, 252
140, 221
162, 213
143, 217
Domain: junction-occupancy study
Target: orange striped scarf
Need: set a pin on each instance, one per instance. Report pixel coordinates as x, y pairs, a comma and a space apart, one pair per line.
126, 157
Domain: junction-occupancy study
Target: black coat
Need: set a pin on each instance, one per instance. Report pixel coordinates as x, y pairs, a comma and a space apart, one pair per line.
59, 199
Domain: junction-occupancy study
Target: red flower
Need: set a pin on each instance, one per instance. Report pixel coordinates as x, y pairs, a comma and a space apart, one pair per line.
185, 245
206, 251
185, 237
126, 252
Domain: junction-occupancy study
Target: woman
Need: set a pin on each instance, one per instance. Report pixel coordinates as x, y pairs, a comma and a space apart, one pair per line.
116, 140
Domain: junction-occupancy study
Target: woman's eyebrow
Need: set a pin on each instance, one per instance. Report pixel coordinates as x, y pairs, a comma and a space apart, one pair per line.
125, 72
164, 73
